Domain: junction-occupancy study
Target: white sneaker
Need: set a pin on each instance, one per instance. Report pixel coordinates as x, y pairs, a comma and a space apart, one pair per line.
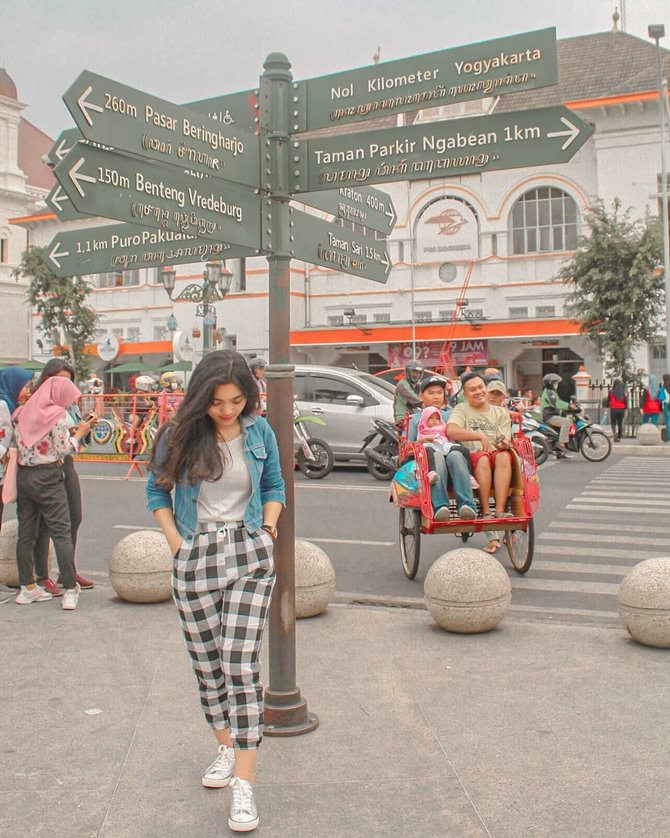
71, 598
243, 812
28, 595
220, 772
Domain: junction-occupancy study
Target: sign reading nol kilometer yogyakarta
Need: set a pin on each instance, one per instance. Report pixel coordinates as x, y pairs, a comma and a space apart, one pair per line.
488, 68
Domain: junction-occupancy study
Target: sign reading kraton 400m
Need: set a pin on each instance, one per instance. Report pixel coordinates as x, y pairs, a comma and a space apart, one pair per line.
489, 68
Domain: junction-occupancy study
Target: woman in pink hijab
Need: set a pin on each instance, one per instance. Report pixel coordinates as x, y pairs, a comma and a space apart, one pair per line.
43, 441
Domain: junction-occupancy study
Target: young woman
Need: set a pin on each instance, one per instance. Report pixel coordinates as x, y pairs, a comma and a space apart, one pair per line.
221, 458
58, 367
617, 401
43, 440
14, 387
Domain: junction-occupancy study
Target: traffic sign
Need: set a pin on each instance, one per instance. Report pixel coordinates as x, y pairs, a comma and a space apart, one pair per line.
118, 247
64, 143
539, 137
234, 109
111, 185
488, 68
59, 202
323, 243
128, 119
358, 204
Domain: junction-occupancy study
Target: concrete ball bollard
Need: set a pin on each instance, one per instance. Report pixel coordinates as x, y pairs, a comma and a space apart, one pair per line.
648, 434
467, 591
140, 567
9, 571
644, 602
314, 580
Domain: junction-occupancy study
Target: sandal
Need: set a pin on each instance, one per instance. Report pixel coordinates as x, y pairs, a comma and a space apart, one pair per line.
504, 515
492, 546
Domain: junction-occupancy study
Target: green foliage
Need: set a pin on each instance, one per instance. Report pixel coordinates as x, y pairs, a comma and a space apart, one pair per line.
615, 290
61, 304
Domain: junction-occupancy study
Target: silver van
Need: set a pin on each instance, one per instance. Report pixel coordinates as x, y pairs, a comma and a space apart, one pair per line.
347, 400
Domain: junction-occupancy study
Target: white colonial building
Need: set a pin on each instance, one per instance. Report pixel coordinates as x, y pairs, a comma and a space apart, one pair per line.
496, 239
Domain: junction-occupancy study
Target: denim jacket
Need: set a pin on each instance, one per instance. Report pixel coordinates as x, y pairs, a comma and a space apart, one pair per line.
267, 484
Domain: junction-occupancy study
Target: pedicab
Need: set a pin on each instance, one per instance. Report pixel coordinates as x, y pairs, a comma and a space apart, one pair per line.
410, 492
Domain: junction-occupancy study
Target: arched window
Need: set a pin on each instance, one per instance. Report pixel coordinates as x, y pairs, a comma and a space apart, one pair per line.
544, 220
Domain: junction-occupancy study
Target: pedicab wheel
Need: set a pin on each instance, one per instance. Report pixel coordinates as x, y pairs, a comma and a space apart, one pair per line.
595, 446
520, 546
410, 540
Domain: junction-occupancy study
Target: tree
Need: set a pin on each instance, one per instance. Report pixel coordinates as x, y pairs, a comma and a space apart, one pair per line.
616, 292
61, 304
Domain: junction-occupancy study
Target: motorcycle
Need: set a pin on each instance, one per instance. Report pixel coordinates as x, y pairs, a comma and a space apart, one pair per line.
382, 457
540, 435
314, 457
586, 438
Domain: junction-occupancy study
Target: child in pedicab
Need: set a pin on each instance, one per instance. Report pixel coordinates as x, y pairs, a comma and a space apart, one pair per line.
432, 433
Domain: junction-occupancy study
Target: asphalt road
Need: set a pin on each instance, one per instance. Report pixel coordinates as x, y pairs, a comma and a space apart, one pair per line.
595, 522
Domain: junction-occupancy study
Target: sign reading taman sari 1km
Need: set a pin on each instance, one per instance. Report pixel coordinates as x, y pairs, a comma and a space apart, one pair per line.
489, 68
538, 137
112, 185
128, 119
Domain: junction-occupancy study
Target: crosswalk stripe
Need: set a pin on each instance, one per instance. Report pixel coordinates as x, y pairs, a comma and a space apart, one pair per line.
608, 539
612, 508
565, 586
583, 569
571, 524
605, 552
634, 502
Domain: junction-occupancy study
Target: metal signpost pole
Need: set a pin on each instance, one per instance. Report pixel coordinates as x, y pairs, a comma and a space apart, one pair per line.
285, 710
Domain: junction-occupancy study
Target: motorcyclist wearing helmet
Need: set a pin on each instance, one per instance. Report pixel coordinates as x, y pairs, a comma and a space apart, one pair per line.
553, 407
407, 391
257, 367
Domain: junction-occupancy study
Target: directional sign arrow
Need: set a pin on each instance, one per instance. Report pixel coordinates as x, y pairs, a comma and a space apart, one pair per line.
59, 202
64, 143
331, 246
488, 68
117, 247
149, 194
127, 119
360, 205
447, 148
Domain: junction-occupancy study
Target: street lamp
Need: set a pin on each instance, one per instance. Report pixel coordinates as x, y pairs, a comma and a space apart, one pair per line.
657, 31
215, 285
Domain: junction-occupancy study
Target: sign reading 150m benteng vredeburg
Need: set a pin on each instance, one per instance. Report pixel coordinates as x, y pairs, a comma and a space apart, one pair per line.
130, 120
452, 147
117, 247
489, 68
113, 185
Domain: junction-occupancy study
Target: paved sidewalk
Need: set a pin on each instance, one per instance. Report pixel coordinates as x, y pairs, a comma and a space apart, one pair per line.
531, 730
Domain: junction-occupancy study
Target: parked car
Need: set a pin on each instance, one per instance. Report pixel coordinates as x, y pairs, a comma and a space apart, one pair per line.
347, 400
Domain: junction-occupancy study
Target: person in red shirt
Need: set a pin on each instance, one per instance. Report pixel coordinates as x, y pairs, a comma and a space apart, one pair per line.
650, 407
617, 401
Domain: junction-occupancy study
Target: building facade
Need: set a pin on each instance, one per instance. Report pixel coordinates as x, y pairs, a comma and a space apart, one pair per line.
475, 258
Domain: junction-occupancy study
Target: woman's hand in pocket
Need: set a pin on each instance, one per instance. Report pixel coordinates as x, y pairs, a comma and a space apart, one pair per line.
175, 542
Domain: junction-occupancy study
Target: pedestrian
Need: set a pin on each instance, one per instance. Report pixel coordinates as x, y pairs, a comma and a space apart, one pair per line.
257, 367
617, 401
43, 441
650, 407
61, 369
14, 388
664, 399
221, 459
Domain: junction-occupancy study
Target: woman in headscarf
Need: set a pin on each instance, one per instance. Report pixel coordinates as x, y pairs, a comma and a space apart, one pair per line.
59, 367
617, 402
43, 441
664, 398
14, 388
650, 407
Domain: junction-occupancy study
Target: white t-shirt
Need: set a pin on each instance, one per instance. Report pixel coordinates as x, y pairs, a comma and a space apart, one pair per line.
226, 499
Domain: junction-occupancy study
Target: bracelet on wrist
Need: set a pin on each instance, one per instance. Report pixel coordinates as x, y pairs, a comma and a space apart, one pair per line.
270, 530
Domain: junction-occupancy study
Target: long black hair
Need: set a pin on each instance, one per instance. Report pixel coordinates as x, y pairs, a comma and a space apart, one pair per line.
191, 440
52, 367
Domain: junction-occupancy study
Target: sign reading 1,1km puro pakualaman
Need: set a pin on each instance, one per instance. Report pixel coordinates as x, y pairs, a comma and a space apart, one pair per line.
542, 136
488, 68
118, 247
112, 185
130, 120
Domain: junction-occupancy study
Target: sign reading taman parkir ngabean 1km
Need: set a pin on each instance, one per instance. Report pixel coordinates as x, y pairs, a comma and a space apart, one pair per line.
489, 68
542, 136
130, 120
113, 185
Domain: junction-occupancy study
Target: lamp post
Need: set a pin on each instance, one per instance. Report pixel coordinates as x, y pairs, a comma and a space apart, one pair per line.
657, 31
216, 282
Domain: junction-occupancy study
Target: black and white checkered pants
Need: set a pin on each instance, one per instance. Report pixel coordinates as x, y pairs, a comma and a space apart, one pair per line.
222, 582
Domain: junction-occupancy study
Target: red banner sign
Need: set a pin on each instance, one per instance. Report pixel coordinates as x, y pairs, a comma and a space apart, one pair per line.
464, 353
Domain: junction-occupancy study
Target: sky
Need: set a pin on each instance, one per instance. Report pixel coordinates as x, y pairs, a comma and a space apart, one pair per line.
182, 50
